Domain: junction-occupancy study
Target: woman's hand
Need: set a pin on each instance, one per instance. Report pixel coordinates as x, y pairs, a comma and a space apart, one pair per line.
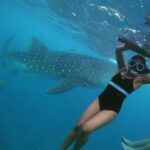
132, 46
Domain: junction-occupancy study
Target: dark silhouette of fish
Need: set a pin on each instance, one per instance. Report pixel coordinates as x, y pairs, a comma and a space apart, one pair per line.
135, 145
72, 70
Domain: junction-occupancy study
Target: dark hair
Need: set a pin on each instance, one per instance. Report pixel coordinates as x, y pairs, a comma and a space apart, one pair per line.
139, 57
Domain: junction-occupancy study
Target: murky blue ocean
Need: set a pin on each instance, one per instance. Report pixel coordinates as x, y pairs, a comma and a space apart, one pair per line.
31, 119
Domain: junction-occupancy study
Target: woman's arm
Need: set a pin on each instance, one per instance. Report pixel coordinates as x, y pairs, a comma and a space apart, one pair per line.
119, 56
145, 80
129, 45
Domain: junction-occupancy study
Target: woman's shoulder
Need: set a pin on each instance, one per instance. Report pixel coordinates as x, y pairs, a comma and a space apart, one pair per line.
121, 70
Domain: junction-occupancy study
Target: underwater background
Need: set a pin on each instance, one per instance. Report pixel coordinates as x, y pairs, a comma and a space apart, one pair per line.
30, 119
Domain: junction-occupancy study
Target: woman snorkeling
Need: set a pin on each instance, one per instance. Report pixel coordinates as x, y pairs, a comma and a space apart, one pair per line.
107, 105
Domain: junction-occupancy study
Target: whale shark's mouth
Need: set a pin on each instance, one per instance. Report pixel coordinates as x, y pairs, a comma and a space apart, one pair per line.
14, 65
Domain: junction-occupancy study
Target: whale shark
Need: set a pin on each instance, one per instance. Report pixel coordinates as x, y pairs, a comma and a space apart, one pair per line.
70, 69
135, 145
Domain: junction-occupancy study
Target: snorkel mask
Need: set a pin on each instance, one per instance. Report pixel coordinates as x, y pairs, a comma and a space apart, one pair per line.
137, 66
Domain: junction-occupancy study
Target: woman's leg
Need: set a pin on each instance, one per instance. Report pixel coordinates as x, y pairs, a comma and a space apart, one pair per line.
102, 118
90, 112
70, 138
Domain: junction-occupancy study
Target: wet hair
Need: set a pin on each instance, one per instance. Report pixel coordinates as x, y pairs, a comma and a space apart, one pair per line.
140, 58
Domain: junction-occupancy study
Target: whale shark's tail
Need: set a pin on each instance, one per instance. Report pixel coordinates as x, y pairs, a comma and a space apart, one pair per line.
4, 49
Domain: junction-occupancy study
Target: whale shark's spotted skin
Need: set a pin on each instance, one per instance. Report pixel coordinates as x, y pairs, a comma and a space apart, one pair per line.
72, 69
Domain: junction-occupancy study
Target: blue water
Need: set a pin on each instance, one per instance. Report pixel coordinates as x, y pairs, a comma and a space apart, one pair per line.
32, 120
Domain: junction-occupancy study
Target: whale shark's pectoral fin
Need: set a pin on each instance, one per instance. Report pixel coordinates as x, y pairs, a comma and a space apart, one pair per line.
63, 86
135, 145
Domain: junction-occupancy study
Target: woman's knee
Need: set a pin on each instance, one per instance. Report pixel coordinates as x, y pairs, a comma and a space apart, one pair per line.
87, 128
84, 129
